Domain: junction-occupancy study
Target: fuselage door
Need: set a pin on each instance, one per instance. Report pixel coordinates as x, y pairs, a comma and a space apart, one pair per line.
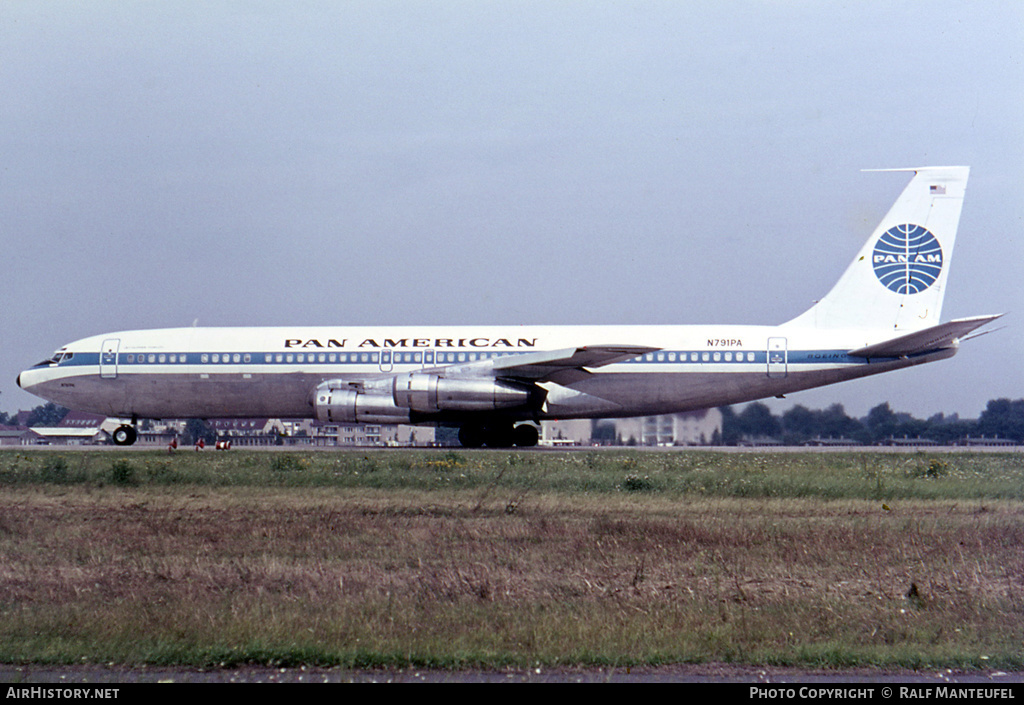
108, 358
778, 357
386, 361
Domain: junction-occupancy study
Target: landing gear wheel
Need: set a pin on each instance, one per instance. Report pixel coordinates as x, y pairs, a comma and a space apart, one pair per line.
125, 435
471, 436
525, 435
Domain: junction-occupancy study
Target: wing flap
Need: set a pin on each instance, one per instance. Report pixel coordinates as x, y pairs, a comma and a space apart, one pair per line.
937, 337
542, 365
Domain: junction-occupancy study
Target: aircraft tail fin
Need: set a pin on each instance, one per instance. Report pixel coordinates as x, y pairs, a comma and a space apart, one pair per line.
898, 279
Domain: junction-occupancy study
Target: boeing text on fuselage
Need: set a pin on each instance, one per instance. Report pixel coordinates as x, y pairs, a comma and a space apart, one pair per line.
497, 382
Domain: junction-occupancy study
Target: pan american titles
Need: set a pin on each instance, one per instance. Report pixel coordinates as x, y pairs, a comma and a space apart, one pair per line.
412, 343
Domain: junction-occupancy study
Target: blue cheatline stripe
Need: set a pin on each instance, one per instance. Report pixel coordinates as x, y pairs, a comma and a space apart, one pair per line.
125, 361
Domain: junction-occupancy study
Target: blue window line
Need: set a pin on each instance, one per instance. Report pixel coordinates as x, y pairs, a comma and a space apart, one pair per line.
446, 357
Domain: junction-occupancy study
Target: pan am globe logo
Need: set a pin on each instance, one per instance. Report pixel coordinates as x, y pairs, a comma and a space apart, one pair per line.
907, 259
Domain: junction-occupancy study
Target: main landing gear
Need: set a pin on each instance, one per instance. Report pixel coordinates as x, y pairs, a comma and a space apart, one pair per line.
522, 436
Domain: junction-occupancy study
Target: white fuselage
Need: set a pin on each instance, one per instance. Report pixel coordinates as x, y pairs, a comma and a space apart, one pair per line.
249, 372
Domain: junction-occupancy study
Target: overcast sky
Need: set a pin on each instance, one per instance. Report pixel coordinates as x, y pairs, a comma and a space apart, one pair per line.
322, 163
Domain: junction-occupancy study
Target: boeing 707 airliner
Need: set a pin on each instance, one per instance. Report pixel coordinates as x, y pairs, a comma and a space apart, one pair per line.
496, 382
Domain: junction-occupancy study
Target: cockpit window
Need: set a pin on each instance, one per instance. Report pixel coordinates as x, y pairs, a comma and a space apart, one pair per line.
58, 357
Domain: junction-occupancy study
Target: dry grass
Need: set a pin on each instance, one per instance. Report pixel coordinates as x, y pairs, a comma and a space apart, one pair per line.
498, 575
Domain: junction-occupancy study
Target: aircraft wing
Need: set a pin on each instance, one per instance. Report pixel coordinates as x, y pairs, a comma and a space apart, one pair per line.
543, 366
937, 337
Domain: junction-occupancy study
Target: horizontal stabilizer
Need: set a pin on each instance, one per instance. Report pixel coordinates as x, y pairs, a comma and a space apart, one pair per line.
935, 338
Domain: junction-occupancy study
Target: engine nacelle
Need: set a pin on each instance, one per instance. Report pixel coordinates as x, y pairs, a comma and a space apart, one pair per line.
428, 393
336, 402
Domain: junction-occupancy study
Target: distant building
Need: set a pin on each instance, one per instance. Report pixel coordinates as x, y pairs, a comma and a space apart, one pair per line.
19, 436
909, 442
982, 441
356, 435
572, 432
691, 428
76, 428
832, 442
82, 419
758, 442
64, 436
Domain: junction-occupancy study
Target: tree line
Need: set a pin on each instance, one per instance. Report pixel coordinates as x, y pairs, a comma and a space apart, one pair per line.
1002, 418
48, 414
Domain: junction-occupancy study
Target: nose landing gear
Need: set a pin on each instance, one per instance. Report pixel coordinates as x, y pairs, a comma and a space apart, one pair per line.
125, 435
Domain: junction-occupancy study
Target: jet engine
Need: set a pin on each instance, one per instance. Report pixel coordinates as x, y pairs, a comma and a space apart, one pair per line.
338, 401
429, 393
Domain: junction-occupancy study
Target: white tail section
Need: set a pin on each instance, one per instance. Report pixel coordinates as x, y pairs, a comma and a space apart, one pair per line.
898, 279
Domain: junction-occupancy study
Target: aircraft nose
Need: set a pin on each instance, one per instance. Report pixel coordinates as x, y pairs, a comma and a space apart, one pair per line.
25, 379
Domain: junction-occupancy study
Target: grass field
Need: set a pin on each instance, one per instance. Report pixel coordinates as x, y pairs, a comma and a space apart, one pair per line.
489, 559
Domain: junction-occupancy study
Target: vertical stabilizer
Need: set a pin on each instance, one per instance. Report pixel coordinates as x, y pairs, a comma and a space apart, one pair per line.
898, 279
